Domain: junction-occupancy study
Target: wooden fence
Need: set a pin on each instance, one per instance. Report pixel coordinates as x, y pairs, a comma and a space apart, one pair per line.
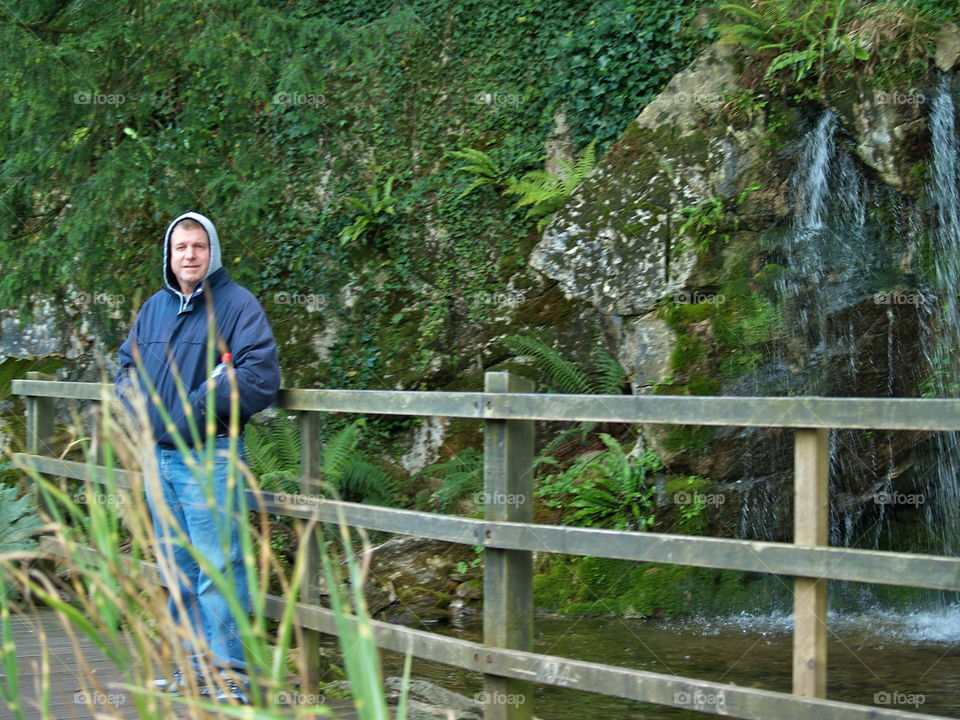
508, 408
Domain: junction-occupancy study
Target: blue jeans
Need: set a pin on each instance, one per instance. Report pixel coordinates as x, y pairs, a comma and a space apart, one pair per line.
195, 513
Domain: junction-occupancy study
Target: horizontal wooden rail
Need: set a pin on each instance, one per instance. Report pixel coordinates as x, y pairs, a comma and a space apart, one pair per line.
865, 566
781, 412
640, 685
504, 658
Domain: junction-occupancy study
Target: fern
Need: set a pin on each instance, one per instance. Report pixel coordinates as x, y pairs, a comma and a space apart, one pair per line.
461, 476
561, 375
363, 481
273, 453
546, 193
339, 450
608, 375
19, 521
614, 490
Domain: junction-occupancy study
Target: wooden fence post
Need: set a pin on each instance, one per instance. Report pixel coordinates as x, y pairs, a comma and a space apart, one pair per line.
39, 419
811, 527
508, 574
310, 669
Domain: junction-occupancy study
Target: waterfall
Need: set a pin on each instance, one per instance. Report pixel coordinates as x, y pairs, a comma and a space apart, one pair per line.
943, 334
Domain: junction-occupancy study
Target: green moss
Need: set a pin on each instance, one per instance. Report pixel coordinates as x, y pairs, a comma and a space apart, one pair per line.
692, 438
686, 352
680, 314
600, 586
703, 384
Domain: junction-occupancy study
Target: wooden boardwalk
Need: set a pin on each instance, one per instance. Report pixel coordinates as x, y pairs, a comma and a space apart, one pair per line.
85, 694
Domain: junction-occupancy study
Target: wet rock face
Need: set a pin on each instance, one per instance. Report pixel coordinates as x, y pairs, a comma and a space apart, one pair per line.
615, 243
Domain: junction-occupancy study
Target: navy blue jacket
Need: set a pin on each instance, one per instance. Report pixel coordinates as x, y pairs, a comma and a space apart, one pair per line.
170, 335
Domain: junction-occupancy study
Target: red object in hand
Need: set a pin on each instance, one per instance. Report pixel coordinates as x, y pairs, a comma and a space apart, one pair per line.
226, 357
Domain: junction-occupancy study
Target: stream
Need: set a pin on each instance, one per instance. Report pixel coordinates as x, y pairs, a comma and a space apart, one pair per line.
908, 661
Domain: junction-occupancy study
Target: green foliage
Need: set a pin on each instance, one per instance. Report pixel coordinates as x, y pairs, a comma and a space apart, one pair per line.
565, 376
461, 477
374, 215
546, 192
273, 453
355, 478
606, 489
19, 520
487, 170
711, 219
810, 38
616, 58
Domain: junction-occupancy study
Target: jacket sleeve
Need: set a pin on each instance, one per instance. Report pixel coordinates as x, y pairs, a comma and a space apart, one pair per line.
126, 373
256, 367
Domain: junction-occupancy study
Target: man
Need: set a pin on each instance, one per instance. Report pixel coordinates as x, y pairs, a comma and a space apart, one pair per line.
168, 346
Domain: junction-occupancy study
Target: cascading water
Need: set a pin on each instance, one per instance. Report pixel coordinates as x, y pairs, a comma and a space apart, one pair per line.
943, 335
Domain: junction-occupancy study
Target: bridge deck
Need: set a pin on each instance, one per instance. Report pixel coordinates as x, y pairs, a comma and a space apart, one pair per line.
71, 685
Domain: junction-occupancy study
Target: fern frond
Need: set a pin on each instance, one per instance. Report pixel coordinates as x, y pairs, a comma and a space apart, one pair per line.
608, 376
338, 451
561, 374
363, 481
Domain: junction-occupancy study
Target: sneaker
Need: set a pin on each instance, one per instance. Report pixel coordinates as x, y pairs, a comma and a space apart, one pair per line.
228, 687
177, 682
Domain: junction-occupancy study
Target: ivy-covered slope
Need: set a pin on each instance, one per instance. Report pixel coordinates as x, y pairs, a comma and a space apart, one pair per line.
270, 117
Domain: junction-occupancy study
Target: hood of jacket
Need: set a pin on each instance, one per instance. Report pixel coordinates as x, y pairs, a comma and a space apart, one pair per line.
169, 280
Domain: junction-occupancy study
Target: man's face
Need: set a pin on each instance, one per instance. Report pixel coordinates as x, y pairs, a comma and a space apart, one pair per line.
189, 257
